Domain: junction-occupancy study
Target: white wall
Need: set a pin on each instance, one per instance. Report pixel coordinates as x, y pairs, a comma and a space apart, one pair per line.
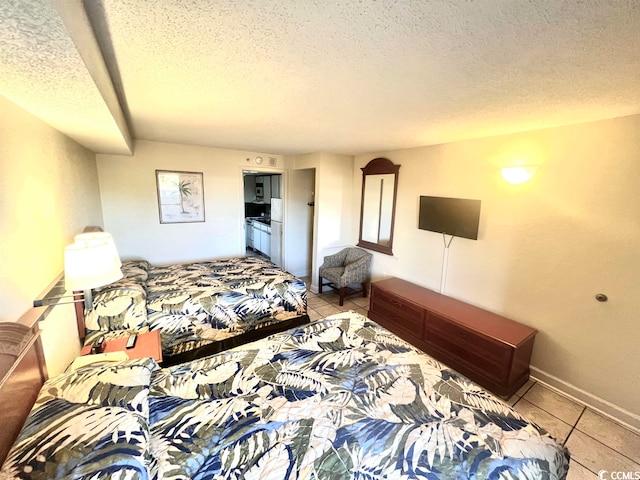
130, 203
333, 198
545, 248
48, 192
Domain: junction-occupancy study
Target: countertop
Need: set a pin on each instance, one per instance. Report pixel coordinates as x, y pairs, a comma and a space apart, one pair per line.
263, 220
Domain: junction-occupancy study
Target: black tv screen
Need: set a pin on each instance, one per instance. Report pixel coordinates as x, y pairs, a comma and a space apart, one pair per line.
459, 217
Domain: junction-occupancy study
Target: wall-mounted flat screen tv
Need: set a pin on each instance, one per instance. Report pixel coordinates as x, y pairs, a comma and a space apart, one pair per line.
459, 217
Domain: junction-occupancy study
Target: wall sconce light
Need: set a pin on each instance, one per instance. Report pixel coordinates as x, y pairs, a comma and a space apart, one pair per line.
517, 175
90, 262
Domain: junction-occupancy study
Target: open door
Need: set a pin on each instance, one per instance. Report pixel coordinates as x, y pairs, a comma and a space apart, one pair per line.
301, 208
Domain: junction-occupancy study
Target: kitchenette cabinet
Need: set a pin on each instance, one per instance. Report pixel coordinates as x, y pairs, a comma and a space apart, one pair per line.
248, 230
261, 237
263, 189
275, 186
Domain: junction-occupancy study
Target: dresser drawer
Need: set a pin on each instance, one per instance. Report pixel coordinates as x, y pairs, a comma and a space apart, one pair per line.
476, 361
398, 312
483, 353
471, 341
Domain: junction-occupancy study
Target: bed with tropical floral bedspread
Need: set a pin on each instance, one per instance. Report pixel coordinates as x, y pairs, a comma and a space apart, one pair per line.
199, 308
338, 398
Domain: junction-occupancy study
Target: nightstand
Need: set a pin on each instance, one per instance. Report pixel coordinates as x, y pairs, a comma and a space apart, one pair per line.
147, 345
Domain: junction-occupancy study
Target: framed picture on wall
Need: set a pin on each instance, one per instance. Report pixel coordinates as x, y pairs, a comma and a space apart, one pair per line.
180, 196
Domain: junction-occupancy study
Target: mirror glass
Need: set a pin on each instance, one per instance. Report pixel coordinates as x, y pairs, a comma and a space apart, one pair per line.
379, 184
378, 203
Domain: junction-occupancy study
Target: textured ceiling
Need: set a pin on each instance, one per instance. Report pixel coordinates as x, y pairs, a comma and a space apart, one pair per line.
346, 77
42, 71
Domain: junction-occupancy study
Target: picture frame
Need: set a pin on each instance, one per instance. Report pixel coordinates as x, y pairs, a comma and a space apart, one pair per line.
180, 196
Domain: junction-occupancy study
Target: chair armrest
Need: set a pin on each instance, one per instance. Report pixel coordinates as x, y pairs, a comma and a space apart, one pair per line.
334, 260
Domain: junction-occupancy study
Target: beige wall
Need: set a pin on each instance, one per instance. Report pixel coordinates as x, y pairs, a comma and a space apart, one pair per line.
130, 203
545, 248
48, 193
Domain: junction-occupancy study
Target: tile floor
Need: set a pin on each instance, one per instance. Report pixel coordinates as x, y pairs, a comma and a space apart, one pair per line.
596, 443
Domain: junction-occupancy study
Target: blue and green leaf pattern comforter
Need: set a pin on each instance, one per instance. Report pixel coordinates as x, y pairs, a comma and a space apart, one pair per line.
196, 304
339, 398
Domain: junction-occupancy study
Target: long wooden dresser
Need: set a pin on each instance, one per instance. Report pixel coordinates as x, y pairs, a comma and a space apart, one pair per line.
492, 350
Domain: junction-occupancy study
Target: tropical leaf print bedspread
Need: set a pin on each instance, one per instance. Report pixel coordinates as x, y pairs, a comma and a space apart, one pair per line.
199, 303
339, 398
196, 304
92, 423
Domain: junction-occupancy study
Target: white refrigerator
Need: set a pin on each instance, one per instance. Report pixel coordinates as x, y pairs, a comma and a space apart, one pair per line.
276, 231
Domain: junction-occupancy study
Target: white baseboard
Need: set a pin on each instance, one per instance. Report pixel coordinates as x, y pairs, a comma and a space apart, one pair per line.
606, 408
301, 273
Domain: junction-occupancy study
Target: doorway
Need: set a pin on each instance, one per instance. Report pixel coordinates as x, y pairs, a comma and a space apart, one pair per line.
263, 219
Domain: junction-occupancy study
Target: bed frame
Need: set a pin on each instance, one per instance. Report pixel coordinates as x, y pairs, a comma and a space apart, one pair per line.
231, 342
212, 348
22, 372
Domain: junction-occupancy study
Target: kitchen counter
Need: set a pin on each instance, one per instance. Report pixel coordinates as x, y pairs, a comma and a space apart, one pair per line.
262, 220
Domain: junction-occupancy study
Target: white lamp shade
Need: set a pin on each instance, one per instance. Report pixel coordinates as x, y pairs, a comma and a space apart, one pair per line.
99, 237
90, 264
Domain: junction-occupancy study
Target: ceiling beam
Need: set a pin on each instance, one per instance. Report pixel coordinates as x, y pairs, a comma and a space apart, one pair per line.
78, 26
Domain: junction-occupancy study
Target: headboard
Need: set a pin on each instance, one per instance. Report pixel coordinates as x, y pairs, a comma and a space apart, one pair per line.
22, 373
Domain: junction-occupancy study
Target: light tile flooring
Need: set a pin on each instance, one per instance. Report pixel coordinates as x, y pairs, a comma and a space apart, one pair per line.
596, 443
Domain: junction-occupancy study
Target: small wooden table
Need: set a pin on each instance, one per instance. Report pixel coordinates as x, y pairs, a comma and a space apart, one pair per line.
147, 345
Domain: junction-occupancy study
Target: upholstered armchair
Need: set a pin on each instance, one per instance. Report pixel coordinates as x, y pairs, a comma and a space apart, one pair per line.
349, 266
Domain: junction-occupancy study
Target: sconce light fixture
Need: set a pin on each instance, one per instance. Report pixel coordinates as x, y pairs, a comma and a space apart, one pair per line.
90, 262
518, 174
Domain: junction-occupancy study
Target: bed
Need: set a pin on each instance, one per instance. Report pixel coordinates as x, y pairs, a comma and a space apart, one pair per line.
199, 308
338, 398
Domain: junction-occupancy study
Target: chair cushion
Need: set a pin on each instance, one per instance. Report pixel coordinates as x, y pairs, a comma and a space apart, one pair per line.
332, 273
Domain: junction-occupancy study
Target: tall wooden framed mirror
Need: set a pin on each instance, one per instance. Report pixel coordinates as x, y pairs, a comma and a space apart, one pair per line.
378, 205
